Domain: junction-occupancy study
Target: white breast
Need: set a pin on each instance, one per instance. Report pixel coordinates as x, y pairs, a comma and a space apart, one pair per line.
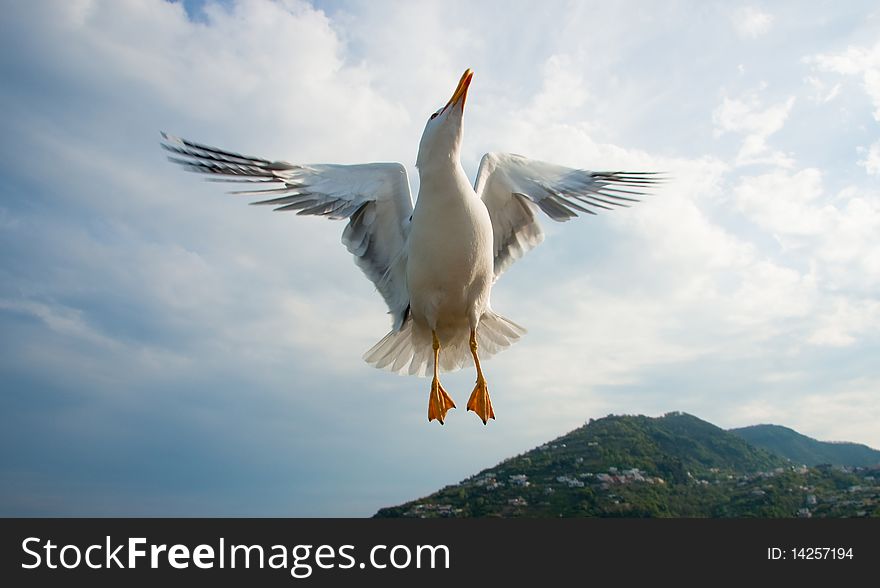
449, 263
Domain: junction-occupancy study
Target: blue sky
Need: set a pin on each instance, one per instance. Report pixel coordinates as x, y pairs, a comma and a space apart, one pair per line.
170, 351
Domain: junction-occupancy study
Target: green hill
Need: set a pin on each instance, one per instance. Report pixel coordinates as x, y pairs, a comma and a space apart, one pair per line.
806, 450
636, 466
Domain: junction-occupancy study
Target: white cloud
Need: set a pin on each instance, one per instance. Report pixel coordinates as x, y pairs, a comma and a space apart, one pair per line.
845, 321
821, 93
784, 203
863, 62
67, 322
752, 22
749, 117
563, 91
871, 162
833, 233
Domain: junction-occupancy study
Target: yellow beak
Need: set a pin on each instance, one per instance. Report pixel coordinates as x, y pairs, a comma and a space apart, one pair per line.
461, 90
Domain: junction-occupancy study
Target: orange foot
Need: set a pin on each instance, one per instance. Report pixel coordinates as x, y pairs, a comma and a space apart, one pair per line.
479, 401
439, 402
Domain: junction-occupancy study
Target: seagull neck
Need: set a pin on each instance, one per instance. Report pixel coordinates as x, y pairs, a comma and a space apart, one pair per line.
441, 171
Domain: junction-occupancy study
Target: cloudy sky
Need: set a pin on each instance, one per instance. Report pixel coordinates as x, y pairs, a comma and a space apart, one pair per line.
168, 350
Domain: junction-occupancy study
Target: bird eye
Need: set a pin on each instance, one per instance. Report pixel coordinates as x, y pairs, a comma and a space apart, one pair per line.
433, 116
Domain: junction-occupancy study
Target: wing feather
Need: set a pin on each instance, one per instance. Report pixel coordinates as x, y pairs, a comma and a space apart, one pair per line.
514, 188
375, 199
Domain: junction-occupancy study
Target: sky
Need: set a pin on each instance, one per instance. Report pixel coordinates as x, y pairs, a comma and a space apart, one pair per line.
168, 350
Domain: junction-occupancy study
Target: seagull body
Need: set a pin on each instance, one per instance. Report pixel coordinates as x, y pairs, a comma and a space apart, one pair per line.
449, 273
435, 263
449, 259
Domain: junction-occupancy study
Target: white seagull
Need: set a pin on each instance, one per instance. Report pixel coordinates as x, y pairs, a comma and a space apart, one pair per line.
435, 263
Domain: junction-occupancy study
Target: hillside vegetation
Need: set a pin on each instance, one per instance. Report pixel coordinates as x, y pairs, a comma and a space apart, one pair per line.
637, 466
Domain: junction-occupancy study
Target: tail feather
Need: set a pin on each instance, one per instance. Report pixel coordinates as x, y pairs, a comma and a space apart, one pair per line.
409, 351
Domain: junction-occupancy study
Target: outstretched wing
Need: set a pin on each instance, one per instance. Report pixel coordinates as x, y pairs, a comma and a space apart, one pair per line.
514, 188
374, 197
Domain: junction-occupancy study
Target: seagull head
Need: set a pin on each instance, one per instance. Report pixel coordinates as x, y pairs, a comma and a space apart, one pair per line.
441, 140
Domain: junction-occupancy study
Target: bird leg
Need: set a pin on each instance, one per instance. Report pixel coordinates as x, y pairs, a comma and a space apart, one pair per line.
439, 401
479, 401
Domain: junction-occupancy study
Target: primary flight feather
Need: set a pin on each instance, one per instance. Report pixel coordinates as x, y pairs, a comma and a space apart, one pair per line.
434, 264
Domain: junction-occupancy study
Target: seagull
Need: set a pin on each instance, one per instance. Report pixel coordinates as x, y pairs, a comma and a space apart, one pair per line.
433, 263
